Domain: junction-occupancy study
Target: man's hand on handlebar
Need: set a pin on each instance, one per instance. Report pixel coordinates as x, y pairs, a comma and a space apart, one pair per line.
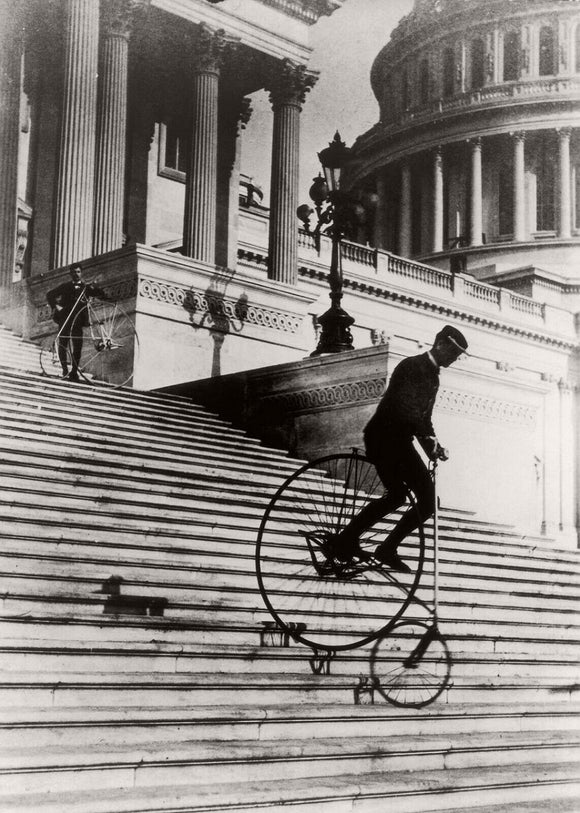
433, 448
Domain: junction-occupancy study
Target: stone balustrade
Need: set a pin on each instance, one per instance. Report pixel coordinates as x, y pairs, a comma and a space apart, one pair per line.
505, 93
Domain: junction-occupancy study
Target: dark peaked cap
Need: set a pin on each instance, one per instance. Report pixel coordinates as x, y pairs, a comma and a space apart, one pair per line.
454, 335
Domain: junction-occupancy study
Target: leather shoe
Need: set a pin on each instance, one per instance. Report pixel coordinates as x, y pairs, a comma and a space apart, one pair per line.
392, 560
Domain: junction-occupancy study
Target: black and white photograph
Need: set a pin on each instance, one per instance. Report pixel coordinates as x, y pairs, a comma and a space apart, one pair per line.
289, 406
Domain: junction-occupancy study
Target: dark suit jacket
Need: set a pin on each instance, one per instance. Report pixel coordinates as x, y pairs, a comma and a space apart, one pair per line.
64, 301
406, 407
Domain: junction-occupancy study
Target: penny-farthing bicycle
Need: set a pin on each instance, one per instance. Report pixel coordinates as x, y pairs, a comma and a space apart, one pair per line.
109, 344
332, 605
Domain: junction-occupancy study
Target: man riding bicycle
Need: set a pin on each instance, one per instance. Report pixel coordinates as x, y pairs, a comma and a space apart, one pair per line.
403, 414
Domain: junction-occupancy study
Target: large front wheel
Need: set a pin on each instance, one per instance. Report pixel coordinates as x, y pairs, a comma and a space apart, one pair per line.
315, 597
110, 345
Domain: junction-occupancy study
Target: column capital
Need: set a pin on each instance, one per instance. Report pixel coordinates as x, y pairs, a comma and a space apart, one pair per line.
118, 16
518, 135
210, 48
564, 132
438, 154
290, 84
243, 112
475, 142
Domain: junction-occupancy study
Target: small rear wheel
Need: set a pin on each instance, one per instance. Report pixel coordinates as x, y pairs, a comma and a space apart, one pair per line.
411, 665
314, 596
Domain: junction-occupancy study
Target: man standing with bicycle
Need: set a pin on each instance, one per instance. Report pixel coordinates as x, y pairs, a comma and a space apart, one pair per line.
403, 414
69, 310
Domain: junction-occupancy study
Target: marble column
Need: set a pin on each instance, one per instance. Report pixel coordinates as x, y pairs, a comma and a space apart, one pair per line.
199, 228
10, 56
438, 201
565, 212
381, 214
476, 206
112, 126
235, 113
405, 217
519, 187
75, 184
288, 87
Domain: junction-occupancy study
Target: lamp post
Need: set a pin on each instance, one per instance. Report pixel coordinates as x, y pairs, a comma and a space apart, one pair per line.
334, 215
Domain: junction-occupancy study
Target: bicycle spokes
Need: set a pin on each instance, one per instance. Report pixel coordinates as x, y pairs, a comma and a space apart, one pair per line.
411, 665
340, 604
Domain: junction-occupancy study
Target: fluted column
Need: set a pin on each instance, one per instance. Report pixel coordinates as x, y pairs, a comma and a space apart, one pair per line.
565, 214
405, 217
76, 170
288, 88
10, 54
519, 186
476, 194
438, 200
112, 126
199, 228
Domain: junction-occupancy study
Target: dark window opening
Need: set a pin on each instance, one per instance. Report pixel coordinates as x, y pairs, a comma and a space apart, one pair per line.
506, 201
448, 73
545, 190
546, 50
174, 149
511, 50
477, 64
424, 81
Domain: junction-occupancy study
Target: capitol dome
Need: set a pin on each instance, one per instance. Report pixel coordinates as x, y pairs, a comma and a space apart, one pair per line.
475, 161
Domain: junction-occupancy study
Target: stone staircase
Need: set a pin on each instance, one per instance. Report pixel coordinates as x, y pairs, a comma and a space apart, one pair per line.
131, 672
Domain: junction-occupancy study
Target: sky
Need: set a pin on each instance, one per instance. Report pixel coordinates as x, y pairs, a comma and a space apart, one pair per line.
344, 48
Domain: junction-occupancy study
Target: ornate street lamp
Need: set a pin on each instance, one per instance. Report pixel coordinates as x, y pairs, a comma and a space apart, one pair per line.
334, 213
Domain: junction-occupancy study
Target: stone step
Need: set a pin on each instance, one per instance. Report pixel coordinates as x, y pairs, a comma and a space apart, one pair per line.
481, 644
487, 641
62, 403
139, 563
229, 570
206, 466
89, 541
544, 806
409, 791
54, 725
31, 770
139, 446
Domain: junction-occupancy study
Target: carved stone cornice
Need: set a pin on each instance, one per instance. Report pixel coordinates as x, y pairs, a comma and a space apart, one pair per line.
371, 390
290, 83
308, 11
218, 312
379, 291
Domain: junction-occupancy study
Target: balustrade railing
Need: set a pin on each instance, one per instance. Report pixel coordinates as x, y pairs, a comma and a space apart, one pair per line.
524, 304
421, 273
481, 291
358, 253
502, 93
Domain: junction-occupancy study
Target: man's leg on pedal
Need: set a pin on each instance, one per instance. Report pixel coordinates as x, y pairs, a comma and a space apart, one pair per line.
386, 463
418, 480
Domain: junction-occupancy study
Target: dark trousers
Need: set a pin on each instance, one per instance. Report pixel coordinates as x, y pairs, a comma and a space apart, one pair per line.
400, 468
70, 333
